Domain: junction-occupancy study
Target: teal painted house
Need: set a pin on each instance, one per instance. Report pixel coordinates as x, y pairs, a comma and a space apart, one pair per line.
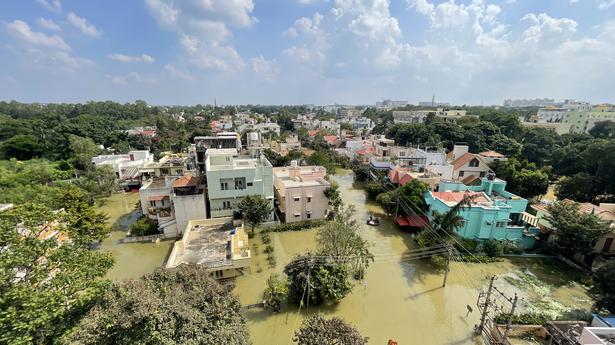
494, 214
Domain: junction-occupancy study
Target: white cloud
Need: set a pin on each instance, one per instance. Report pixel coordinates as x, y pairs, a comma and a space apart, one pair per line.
178, 73
51, 5
547, 29
48, 24
130, 78
264, 68
203, 27
22, 32
421, 6
83, 25
130, 58
606, 4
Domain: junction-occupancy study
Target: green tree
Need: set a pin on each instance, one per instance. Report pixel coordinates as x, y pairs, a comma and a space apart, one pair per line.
603, 129
573, 231
100, 182
85, 224
46, 284
317, 330
605, 280
22, 147
276, 293
340, 241
523, 178
446, 224
373, 189
83, 149
335, 200
411, 197
143, 227
182, 305
579, 187
255, 210
314, 280
505, 145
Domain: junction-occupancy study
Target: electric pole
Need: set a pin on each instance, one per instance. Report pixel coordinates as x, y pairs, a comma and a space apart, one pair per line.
510, 318
448, 262
483, 316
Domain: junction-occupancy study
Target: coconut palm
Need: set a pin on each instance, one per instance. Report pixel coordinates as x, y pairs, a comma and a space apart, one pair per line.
447, 223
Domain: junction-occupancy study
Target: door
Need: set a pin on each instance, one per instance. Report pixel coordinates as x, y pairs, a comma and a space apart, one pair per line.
607, 245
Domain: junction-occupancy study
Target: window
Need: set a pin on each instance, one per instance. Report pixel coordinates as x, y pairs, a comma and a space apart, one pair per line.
219, 274
309, 215
474, 163
482, 174
501, 224
309, 199
250, 184
461, 173
164, 171
223, 186
297, 198
152, 203
226, 205
297, 215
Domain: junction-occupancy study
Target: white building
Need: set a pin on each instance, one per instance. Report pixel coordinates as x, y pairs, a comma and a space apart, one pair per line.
125, 166
172, 202
231, 177
419, 116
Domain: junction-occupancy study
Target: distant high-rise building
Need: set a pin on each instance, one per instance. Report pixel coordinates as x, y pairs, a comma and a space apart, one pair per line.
538, 102
389, 104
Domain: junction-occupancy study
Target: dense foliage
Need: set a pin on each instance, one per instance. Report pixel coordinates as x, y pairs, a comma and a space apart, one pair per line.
47, 282
255, 209
170, 306
317, 330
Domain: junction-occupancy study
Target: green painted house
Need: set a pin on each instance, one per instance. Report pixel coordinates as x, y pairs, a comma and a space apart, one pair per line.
494, 213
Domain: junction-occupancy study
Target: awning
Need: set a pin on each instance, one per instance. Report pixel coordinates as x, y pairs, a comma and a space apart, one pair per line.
414, 221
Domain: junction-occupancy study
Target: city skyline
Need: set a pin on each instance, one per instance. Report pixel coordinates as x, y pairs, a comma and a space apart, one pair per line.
318, 52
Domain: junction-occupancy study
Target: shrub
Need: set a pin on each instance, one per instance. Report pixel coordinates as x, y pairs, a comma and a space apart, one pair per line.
522, 319
269, 249
265, 237
296, 226
493, 248
276, 292
143, 227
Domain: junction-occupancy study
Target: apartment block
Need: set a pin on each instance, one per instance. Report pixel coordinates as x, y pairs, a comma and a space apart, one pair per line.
231, 177
299, 192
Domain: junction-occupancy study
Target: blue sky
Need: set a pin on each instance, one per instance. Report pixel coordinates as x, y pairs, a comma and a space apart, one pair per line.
306, 51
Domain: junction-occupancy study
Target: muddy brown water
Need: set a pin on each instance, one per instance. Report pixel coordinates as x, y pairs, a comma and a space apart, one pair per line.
400, 300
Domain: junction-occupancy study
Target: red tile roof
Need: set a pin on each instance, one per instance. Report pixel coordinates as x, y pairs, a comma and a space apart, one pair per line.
312, 133
405, 179
469, 179
394, 176
584, 207
465, 158
492, 154
186, 181
157, 197
330, 138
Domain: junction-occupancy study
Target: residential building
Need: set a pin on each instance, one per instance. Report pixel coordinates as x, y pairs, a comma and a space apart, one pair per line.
521, 103
572, 117
583, 121
419, 116
231, 177
223, 140
173, 201
349, 112
305, 121
559, 128
390, 104
492, 156
283, 148
494, 213
221, 245
125, 166
299, 192
467, 167
604, 211
148, 131
169, 165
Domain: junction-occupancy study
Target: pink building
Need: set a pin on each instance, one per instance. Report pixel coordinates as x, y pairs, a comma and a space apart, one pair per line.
299, 192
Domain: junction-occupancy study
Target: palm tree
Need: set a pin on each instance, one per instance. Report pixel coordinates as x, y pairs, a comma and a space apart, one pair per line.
447, 223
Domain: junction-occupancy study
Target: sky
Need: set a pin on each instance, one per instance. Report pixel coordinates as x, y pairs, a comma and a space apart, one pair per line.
306, 51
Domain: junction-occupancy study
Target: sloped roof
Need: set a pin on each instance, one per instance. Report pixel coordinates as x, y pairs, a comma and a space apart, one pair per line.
185, 181
584, 207
465, 158
394, 176
492, 154
406, 178
469, 179
330, 138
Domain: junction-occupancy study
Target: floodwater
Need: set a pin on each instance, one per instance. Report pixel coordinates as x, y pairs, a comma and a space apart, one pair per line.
132, 260
399, 300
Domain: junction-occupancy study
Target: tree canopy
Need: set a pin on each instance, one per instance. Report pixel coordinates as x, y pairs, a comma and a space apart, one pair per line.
182, 305
255, 209
316, 330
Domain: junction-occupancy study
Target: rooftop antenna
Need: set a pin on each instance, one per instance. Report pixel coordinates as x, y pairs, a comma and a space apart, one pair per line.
433, 100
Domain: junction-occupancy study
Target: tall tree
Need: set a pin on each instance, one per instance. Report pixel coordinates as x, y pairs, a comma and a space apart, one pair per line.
85, 224
317, 330
46, 282
574, 232
182, 305
255, 209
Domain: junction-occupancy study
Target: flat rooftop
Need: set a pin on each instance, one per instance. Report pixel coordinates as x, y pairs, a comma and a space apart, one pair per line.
209, 246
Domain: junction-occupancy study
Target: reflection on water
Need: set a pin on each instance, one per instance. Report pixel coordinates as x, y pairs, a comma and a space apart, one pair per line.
399, 300
132, 260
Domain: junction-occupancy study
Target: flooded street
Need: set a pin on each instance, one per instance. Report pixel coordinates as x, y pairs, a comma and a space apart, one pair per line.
132, 260
400, 300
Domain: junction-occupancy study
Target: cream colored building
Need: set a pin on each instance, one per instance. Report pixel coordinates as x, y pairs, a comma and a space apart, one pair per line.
299, 192
220, 244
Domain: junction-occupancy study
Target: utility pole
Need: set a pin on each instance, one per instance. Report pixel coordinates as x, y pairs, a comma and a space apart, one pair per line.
483, 316
510, 318
448, 262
